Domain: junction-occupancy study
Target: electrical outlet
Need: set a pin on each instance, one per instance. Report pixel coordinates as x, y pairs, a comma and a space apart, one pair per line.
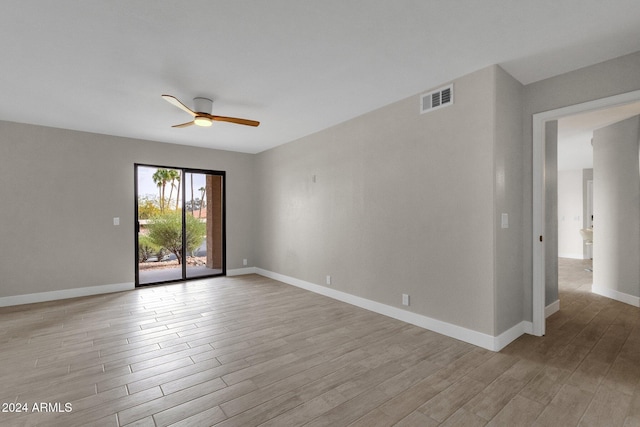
244, 261
405, 299
328, 280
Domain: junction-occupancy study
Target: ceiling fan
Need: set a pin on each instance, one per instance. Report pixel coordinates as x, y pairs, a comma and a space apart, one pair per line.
203, 118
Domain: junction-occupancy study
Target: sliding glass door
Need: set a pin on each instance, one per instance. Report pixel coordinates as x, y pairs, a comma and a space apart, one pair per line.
204, 224
180, 224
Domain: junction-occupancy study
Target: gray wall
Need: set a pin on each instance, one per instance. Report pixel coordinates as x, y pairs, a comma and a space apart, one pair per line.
402, 203
609, 78
508, 182
61, 189
616, 195
551, 212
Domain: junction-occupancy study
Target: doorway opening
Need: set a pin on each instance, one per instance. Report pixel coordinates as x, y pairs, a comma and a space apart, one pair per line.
180, 224
539, 186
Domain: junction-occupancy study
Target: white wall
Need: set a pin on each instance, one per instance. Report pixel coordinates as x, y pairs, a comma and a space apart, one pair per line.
616, 210
570, 208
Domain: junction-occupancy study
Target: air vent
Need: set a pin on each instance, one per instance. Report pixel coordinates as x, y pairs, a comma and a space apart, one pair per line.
436, 99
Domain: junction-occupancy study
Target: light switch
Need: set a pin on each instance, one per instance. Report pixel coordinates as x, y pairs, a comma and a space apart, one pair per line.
116, 220
505, 220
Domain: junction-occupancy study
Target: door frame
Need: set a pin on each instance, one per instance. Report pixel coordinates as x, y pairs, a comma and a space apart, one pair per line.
538, 247
184, 171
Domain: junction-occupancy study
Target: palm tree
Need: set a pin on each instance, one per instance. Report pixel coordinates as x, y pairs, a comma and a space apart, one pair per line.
161, 177
178, 178
202, 205
159, 184
192, 205
172, 176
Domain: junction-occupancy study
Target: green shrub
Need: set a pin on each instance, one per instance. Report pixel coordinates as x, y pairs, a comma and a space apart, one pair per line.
147, 249
165, 231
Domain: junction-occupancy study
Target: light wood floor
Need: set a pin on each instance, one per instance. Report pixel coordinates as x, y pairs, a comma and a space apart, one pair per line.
248, 351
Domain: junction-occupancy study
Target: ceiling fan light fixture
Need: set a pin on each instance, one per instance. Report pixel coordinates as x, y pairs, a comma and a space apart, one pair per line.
201, 117
202, 121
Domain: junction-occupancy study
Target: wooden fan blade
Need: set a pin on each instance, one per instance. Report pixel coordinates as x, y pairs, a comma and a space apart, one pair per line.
233, 120
174, 101
183, 125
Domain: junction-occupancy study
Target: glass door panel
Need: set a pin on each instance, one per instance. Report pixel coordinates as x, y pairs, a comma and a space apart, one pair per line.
159, 207
204, 224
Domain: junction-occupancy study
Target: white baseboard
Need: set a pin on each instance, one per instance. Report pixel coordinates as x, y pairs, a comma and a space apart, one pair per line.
616, 295
551, 308
571, 255
86, 291
463, 334
64, 294
510, 335
241, 271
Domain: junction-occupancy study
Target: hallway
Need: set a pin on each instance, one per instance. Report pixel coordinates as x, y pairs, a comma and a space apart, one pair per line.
590, 352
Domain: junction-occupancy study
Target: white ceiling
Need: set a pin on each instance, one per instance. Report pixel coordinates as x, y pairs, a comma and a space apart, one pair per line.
298, 66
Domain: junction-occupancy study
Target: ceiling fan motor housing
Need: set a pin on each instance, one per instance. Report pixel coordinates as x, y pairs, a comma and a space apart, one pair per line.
203, 105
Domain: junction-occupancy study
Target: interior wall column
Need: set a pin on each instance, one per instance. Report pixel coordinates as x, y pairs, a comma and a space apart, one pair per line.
616, 209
